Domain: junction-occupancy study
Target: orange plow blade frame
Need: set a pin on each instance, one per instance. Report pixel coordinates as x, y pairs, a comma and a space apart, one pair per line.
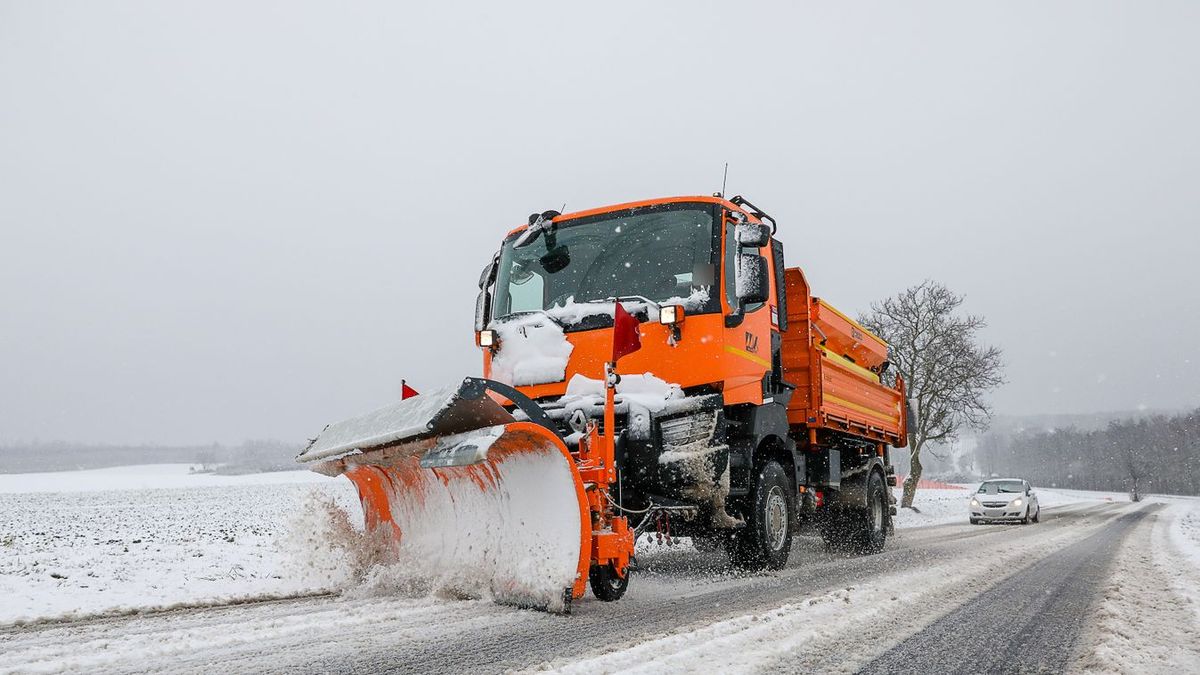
500, 508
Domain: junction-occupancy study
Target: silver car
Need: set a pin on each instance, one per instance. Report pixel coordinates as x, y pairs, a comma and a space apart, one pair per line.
1009, 500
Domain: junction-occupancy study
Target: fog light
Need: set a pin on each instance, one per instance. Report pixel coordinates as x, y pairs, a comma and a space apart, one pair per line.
487, 338
670, 314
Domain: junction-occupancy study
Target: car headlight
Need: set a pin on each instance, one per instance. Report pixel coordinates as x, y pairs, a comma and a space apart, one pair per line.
974, 502
1017, 502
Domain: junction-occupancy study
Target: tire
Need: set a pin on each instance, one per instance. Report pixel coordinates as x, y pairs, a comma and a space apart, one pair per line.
606, 584
1037, 515
767, 538
872, 531
1028, 518
859, 529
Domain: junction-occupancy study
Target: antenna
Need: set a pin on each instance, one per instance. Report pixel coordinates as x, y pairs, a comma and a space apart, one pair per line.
724, 178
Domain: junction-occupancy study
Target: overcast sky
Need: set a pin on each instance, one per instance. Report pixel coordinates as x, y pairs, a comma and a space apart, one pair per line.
239, 220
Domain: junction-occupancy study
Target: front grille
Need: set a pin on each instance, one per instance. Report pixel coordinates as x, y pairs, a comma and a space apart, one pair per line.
686, 430
995, 505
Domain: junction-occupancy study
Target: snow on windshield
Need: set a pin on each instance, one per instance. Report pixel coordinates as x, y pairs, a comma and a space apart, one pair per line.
571, 312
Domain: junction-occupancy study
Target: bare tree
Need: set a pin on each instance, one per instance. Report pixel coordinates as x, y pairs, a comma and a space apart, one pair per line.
938, 354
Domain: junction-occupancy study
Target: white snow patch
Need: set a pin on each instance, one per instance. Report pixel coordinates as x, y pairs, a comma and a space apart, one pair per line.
644, 390
532, 350
573, 312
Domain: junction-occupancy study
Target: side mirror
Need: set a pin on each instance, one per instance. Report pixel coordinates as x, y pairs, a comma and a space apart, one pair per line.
752, 280
486, 278
481, 307
752, 235
487, 275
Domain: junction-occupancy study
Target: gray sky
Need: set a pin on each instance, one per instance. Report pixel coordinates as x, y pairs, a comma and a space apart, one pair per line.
231, 220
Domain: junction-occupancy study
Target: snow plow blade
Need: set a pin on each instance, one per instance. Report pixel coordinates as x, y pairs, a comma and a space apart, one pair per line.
469, 499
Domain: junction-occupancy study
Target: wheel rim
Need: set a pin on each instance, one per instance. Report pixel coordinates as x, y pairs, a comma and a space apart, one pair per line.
615, 581
876, 514
776, 518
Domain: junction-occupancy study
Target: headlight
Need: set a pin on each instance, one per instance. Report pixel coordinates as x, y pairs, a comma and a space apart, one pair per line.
670, 314
974, 502
487, 338
1017, 502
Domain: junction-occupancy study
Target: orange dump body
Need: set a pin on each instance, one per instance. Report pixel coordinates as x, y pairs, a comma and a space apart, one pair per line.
829, 358
845, 337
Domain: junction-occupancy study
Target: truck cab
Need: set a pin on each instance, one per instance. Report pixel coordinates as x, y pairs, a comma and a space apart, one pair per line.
677, 252
705, 407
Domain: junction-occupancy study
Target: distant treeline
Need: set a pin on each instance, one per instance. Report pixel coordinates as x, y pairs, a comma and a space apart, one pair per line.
248, 457
1159, 454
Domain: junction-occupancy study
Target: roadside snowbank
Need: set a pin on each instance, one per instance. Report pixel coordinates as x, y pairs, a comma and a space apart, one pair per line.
1148, 616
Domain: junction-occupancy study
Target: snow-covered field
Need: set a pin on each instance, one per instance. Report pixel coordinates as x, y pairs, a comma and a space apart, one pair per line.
82, 542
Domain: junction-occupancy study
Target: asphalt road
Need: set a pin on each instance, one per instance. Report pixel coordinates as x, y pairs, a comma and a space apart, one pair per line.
1027, 623
674, 592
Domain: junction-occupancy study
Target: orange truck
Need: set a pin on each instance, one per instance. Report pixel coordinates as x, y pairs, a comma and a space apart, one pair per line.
752, 408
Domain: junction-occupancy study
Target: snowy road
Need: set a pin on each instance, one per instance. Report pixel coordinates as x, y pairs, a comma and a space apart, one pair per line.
1030, 621
683, 611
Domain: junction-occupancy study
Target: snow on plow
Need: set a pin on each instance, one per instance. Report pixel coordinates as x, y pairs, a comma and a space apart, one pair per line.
468, 498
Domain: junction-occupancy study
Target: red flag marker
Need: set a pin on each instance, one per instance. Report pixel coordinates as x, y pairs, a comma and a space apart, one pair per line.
406, 391
626, 338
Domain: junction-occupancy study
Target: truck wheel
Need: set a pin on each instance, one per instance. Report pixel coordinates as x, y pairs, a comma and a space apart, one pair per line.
872, 521
607, 585
767, 538
860, 529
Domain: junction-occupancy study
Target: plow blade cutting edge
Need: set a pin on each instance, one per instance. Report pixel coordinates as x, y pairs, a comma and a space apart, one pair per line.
469, 499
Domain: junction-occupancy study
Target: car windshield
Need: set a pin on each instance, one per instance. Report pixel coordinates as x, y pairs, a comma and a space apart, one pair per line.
1002, 486
663, 253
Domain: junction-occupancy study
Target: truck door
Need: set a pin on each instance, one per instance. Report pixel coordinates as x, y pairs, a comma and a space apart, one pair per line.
748, 326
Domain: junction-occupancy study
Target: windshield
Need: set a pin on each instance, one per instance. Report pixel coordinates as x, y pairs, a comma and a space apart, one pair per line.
664, 253
1002, 486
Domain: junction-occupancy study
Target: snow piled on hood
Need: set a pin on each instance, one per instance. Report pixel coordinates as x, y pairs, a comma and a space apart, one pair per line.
644, 390
532, 350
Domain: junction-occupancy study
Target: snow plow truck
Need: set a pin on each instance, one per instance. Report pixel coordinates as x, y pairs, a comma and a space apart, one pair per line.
648, 367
